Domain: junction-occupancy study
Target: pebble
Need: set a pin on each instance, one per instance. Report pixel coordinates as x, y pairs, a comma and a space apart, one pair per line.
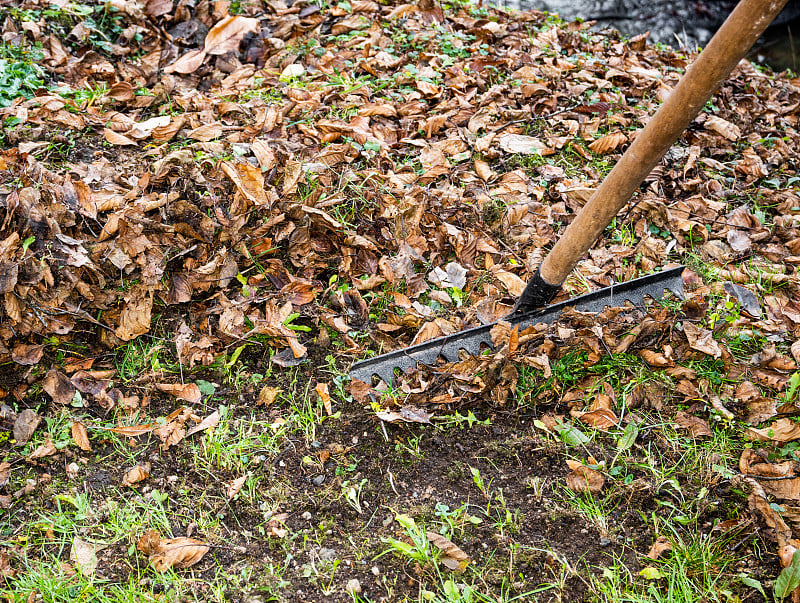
353, 586
604, 542
317, 481
375, 570
306, 515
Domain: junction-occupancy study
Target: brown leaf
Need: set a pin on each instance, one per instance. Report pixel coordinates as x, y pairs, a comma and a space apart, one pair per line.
722, 127
525, 145
5, 471
408, 414
324, 395
133, 431
701, 340
608, 143
121, 91
268, 395
168, 553
182, 391
452, 557
117, 139
134, 319
796, 350
661, 545
698, 428
26, 423
210, 421
584, 479
653, 358
80, 436
136, 474
514, 284
782, 430
59, 387
601, 418
27, 354
174, 430
46, 449
235, 486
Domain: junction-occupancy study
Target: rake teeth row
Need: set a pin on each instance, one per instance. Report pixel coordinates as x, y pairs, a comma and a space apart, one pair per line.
473, 340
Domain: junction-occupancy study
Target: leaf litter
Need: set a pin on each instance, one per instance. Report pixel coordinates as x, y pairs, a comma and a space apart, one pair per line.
382, 175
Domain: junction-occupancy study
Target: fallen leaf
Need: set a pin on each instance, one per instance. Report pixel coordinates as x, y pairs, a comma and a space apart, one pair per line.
25, 425
608, 143
701, 340
171, 553
27, 354
133, 431
136, 474
182, 391
409, 414
46, 449
80, 436
84, 555
661, 545
5, 471
235, 486
324, 395
210, 421
782, 430
653, 358
268, 395
584, 479
59, 387
723, 127
698, 428
525, 145
452, 557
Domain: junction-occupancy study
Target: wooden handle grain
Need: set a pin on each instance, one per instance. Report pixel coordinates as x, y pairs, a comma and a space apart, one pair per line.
728, 46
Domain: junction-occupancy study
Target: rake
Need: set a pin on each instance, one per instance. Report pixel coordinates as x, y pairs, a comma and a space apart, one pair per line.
728, 46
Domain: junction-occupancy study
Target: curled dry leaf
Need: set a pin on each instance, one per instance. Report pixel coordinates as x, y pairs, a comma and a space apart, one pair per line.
210, 421
698, 428
324, 395
408, 414
183, 391
171, 553
235, 486
653, 358
80, 436
723, 127
661, 545
608, 143
453, 558
136, 474
46, 449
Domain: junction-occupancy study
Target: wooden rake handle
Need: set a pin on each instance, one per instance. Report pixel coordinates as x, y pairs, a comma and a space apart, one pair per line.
728, 46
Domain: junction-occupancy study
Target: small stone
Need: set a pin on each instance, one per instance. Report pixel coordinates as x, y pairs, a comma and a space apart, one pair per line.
317, 481
375, 570
604, 542
353, 586
306, 515
72, 470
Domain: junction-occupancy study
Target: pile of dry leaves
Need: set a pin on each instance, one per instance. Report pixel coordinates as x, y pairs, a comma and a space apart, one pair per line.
370, 175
